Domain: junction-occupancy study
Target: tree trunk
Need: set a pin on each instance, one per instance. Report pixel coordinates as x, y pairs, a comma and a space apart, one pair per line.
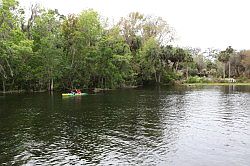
238, 71
98, 82
105, 80
224, 71
40, 85
11, 71
176, 67
4, 86
52, 84
229, 70
156, 77
102, 83
187, 72
159, 78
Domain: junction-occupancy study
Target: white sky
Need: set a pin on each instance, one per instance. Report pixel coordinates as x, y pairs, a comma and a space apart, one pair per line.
198, 23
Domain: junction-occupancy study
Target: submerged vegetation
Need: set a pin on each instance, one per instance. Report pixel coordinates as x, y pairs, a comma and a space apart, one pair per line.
48, 50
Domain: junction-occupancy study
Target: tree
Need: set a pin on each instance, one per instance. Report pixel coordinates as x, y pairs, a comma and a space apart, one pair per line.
145, 36
131, 30
245, 61
81, 34
158, 28
224, 57
15, 48
151, 60
27, 26
230, 52
187, 59
47, 43
113, 60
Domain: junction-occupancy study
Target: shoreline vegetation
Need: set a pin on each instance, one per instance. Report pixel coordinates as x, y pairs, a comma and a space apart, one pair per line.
44, 50
94, 90
98, 90
216, 84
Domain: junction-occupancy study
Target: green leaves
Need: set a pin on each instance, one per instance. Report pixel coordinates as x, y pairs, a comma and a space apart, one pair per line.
79, 51
225, 55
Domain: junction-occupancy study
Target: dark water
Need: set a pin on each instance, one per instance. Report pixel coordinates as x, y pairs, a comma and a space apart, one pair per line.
153, 126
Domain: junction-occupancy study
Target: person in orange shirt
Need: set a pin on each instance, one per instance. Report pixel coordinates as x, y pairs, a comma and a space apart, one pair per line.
78, 91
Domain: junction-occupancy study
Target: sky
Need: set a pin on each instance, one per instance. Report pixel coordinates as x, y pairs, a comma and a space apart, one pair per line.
197, 23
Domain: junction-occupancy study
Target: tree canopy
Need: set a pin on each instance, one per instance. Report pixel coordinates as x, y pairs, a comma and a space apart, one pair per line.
48, 50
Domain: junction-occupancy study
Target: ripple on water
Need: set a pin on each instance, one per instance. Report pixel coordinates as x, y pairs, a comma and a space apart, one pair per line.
137, 127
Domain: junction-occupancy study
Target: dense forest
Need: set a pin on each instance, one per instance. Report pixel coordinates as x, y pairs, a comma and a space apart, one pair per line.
41, 49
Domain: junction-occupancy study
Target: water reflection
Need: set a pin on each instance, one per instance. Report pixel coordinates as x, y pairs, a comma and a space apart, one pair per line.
153, 126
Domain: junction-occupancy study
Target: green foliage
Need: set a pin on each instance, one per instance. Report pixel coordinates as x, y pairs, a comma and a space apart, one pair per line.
242, 79
49, 50
113, 60
197, 79
223, 57
171, 77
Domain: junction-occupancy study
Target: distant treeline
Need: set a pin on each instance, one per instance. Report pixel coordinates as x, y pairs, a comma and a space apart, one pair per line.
49, 51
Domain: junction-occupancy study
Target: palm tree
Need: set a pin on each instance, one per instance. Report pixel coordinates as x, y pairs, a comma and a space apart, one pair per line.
224, 57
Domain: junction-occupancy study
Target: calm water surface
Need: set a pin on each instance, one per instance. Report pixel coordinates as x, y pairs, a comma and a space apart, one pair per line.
152, 126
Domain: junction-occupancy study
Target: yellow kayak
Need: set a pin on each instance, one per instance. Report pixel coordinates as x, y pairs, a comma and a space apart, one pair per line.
74, 94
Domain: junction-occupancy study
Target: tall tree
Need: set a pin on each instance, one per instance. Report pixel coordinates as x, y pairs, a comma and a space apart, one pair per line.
131, 29
158, 28
151, 60
224, 57
81, 35
14, 46
245, 61
113, 60
47, 43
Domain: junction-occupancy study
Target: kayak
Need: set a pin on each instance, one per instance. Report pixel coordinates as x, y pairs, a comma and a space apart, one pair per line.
72, 94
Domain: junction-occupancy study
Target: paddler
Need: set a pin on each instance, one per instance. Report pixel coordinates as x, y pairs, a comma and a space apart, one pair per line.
78, 91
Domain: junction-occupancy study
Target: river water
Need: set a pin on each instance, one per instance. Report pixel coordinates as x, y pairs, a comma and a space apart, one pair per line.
147, 126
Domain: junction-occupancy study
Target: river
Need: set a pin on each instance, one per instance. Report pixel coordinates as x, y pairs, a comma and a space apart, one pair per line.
184, 126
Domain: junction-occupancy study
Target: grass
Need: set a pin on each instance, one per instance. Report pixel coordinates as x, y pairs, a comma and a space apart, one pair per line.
217, 84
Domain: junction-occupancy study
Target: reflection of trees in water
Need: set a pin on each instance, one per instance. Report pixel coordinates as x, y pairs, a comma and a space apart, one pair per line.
172, 118
129, 125
235, 89
16, 122
129, 128
136, 126
124, 125
32, 123
234, 104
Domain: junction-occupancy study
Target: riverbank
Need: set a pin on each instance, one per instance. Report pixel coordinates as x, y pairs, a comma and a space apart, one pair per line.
12, 91
216, 84
98, 90
95, 90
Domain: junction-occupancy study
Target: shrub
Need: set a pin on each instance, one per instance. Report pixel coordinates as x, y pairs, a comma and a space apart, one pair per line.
242, 79
171, 76
197, 79
194, 79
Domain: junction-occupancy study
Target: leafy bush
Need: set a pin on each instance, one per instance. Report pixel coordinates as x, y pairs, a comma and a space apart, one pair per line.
242, 79
194, 79
171, 76
197, 79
